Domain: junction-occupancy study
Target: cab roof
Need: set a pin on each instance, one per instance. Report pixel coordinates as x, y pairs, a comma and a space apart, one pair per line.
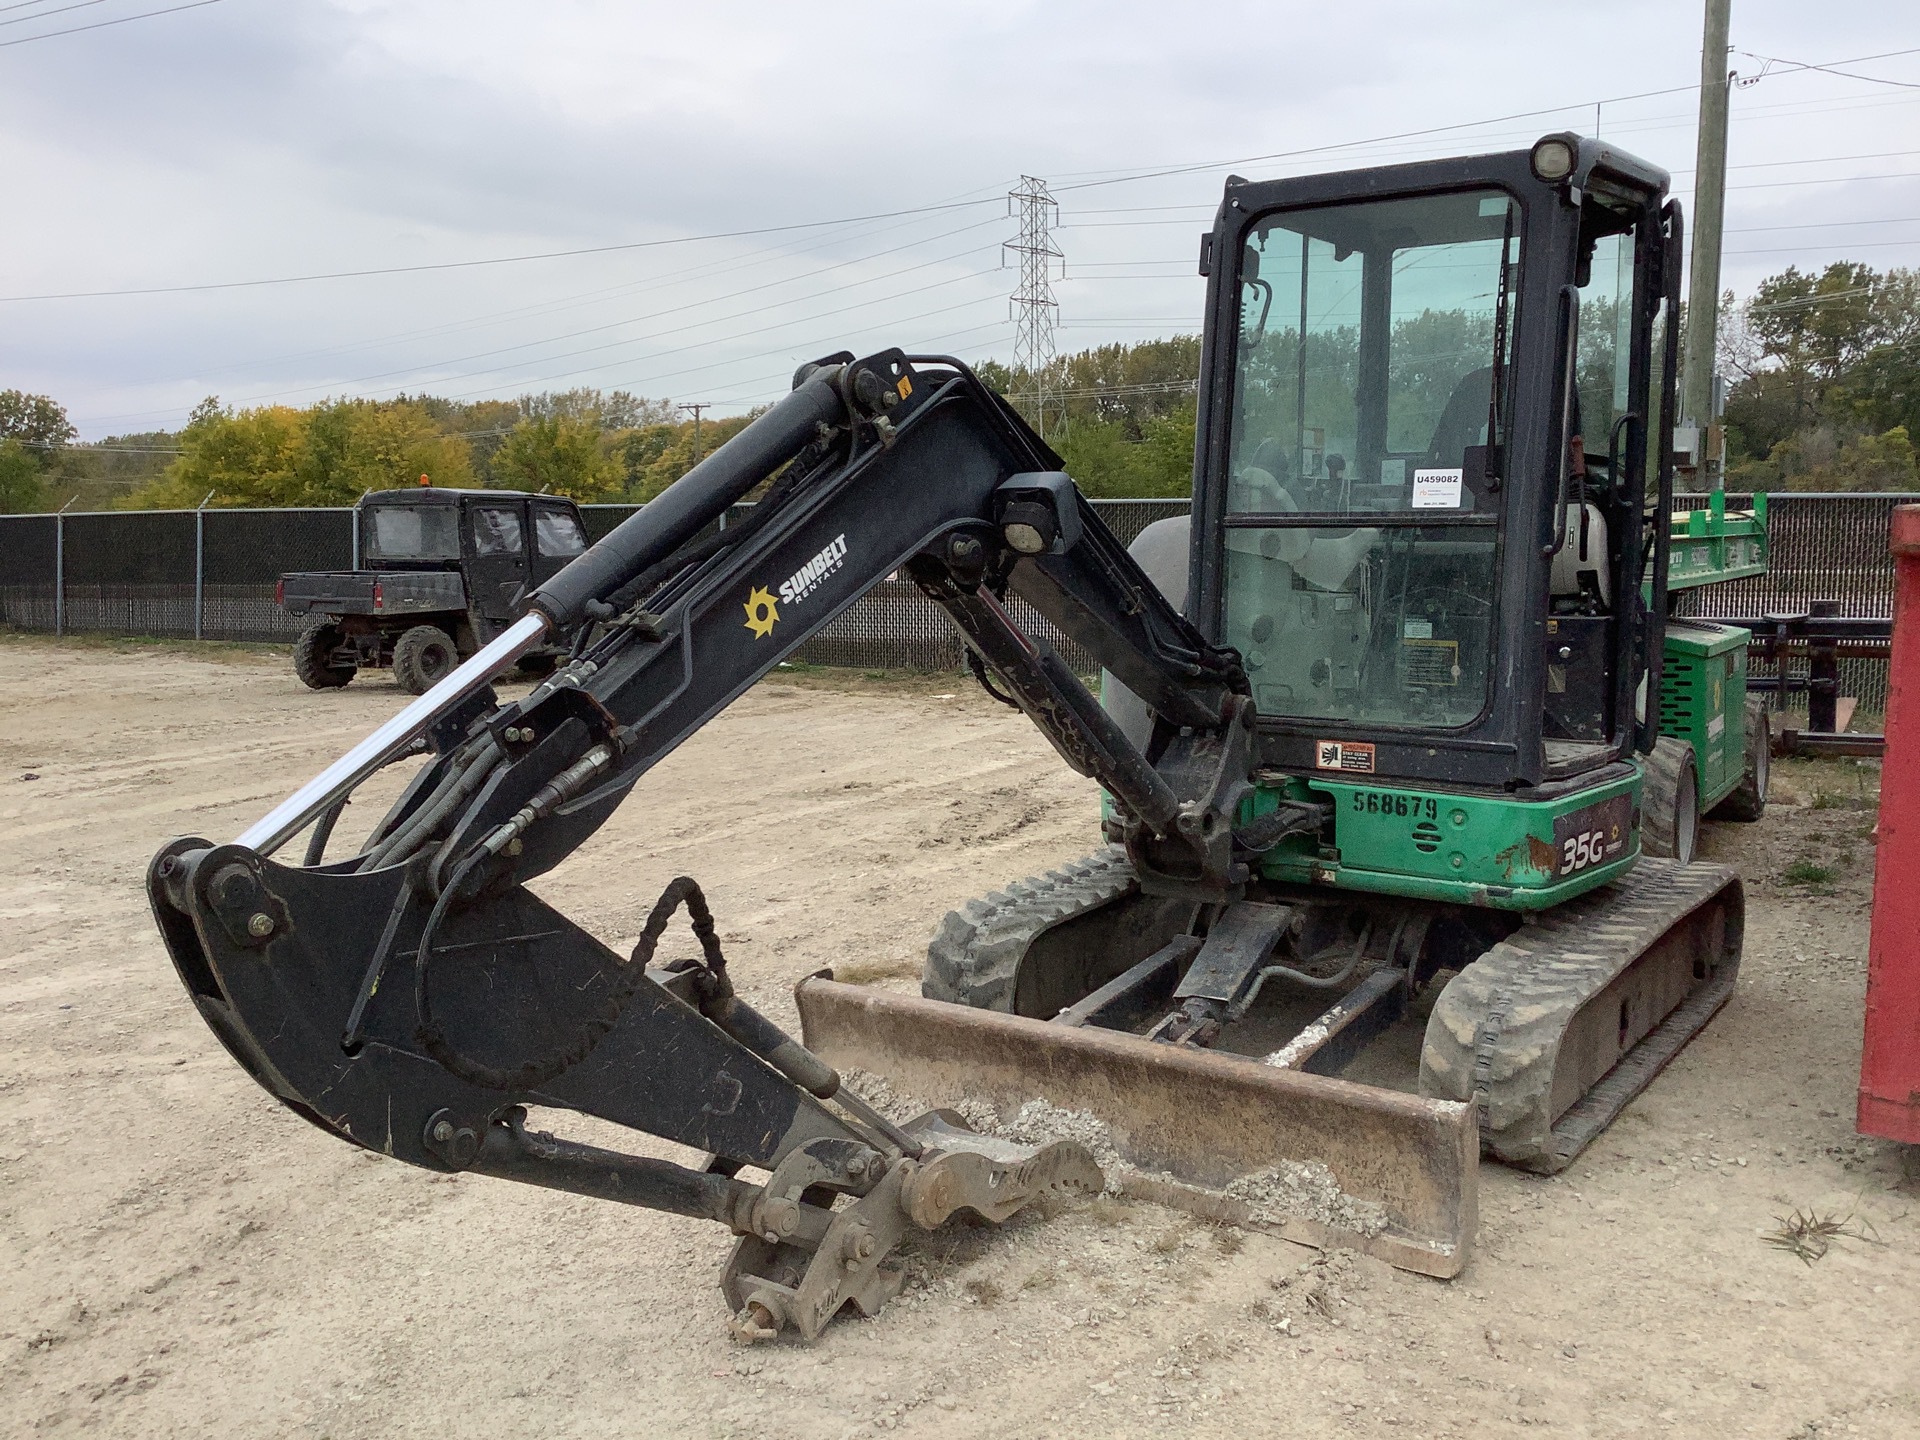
451, 495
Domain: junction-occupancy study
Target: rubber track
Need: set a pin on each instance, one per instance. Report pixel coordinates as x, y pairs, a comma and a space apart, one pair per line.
974, 955
1494, 1035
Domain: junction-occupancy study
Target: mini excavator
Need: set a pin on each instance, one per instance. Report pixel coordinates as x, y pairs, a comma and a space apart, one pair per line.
1382, 778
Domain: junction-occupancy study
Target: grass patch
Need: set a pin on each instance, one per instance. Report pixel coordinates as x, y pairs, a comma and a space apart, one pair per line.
1169, 1240
230, 652
1228, 1240
1828, 800
1808, 872
1105, 1210
1808, 1235
984, 1293
1828, 782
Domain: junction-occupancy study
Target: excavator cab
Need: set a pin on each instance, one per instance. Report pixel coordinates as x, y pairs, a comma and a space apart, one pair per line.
1428, 420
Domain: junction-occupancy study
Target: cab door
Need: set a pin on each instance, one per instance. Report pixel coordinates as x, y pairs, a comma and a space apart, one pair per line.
557, 538
497, 543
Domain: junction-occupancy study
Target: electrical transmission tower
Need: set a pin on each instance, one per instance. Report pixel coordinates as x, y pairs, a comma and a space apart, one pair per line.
1033, 306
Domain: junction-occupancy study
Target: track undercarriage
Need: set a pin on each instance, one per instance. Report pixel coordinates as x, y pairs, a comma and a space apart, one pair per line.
1469, 1029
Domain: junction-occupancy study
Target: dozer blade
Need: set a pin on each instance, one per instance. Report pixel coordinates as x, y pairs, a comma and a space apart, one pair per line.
1317, 1160
1554, 1029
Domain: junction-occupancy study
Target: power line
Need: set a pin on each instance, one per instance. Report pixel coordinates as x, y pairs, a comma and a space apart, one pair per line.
441, 364
681, 329
1800, 249
103, 24
1834, 180
1429, 130
706, 345
659, 282
494, 260
1793, 65
22, 20
1824, 224
645, 286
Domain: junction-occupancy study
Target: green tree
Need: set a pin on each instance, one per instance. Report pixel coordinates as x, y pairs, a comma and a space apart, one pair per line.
651, 457
1814, 326
331, 454
33, 431
22, 491
1825, 460
561, 454
1882, 389
1109, 463
353, 446
1829, 371
35, 421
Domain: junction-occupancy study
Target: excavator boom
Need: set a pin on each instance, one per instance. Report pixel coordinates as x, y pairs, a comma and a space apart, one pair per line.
418, 999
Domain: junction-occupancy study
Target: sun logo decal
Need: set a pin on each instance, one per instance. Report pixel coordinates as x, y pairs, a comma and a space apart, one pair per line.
761, 612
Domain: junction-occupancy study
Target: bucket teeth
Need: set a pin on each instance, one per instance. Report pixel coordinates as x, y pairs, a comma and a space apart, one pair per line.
774, 1283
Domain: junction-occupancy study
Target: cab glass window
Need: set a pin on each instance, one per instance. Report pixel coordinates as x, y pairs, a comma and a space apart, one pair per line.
496, 530
1372, 338
556, 533
1374, 624
1362, 497
412, 532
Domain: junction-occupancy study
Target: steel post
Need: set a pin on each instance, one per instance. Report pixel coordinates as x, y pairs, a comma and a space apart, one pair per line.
1889, 1103
199, 572
1823, 673
59, 574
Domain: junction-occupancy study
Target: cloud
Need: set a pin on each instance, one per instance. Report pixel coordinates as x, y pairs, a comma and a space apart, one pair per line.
244, 140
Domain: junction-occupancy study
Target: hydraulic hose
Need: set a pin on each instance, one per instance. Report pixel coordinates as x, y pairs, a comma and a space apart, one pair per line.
694, 501
469, 775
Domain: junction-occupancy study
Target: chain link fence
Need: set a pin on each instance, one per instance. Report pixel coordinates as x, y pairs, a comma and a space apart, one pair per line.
1819, 547
210, 574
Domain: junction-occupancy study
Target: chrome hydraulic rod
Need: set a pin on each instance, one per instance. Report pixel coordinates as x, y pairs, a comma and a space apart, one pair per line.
297, 811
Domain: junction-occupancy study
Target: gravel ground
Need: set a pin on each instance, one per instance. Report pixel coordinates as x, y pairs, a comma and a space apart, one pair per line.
183, 1257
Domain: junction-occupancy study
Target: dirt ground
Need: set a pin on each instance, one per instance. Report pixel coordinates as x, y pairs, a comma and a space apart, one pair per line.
183, 1257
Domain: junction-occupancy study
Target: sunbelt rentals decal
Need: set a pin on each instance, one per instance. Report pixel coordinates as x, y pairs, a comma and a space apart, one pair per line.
763, 609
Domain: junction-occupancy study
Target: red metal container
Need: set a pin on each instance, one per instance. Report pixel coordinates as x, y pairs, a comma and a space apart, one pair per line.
1890, 1058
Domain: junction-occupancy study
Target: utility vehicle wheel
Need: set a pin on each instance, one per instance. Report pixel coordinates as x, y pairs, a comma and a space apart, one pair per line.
1748, 800
1670, 802
313, 657
423, 657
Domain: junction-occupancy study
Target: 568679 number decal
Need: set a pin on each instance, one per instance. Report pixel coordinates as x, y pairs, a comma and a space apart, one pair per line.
1593, 835
1386, 802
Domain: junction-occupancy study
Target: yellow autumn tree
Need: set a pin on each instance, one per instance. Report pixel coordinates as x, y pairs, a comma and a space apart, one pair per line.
330, 454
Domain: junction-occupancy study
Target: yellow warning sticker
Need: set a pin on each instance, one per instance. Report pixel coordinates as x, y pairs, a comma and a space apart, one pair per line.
1351, 755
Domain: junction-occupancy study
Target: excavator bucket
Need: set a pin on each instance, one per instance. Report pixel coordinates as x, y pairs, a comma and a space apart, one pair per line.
1314, 1159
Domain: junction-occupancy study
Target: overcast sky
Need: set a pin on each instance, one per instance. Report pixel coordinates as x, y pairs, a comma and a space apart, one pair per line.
250, 140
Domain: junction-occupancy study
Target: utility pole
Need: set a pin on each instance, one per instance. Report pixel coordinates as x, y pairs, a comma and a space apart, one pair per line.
696, 409
1033, 306
1709, 205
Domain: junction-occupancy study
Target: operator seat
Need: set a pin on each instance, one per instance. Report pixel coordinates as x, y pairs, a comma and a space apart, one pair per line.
1463, 421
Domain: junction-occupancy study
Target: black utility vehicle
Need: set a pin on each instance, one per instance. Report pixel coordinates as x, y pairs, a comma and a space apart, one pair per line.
444, 572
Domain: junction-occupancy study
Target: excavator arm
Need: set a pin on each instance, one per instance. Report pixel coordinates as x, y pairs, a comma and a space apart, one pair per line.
417, 998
